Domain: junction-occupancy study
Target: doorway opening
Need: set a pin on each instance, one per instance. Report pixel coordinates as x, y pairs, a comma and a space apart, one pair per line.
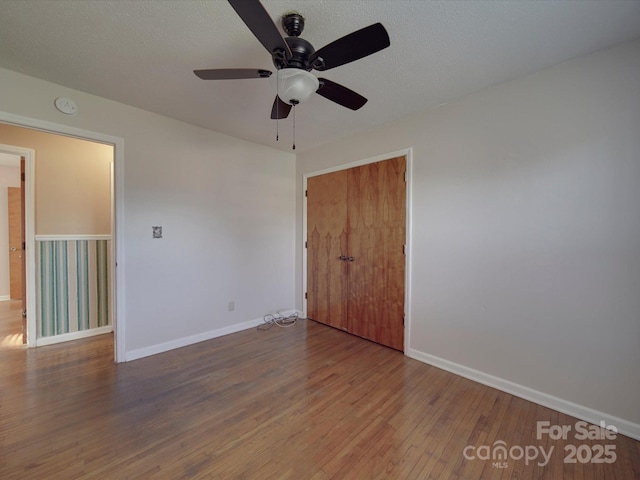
12, 255
70, 271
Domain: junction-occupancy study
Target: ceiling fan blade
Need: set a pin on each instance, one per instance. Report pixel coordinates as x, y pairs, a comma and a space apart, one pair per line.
231, 73
341, 95
259, 22
352, 47
280, 109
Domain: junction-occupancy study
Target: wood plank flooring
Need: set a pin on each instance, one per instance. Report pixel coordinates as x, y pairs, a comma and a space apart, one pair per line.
11, 324
306, 402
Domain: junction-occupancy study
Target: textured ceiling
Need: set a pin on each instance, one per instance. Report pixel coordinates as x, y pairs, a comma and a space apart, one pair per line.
143, 52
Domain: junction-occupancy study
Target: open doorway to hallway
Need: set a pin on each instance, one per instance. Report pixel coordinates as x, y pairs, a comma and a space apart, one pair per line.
71, 241
12, 255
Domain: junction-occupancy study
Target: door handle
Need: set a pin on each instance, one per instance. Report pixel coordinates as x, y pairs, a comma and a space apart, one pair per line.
342, 258
351, 259
13, 249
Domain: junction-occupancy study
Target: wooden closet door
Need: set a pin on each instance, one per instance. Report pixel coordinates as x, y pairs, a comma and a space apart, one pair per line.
327, 275
376, 235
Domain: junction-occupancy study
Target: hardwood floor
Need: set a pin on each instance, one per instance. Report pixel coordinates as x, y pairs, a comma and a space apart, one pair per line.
11, 324
307, 402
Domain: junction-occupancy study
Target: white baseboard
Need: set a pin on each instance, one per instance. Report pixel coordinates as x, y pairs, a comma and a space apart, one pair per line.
65, 337
590, 415
4, 298
184, 341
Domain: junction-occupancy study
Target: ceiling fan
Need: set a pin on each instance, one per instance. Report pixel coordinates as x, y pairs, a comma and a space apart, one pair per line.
294, 58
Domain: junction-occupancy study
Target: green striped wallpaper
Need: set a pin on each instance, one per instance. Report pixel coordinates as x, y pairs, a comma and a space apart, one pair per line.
73, 285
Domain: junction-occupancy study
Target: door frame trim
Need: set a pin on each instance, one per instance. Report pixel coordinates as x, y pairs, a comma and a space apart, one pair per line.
408, 154
117, 220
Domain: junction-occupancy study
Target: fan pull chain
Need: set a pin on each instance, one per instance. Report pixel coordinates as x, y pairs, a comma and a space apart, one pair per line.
294, 125
277, 107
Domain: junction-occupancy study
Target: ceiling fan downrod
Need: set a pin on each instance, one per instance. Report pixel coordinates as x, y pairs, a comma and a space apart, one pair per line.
293, 23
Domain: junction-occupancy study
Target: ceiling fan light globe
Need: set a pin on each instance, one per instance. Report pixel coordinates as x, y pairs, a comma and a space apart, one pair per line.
294, 85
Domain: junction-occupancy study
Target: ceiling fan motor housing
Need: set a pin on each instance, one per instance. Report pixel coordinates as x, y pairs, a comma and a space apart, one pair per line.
301, 51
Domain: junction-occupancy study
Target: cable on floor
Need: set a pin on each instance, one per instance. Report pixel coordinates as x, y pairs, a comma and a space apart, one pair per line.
271, 319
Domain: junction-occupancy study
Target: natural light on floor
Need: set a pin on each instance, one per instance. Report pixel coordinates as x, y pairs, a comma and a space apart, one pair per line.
11, 324
11, 340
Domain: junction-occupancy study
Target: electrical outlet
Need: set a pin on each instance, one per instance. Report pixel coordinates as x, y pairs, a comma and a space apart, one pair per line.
232, 306
156, 232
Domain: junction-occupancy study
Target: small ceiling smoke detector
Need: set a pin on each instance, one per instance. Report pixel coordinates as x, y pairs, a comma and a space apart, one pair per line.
66, 105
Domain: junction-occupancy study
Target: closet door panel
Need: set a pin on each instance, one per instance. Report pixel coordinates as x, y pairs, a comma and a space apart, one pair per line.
376, 236
327, 275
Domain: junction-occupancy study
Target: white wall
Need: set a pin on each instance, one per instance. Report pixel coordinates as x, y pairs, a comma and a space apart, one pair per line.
226, 205
526, 225
9, 177
72, 182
